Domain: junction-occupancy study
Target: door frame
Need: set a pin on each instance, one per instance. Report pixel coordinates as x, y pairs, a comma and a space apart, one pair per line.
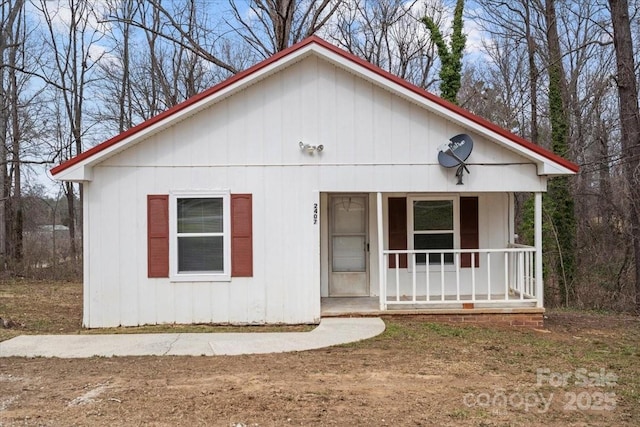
367, 261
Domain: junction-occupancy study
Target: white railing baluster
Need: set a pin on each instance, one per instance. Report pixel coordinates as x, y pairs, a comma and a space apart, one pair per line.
506, 276
533, 275
531, 271
527, 276
413, 277
442, 276
521, 274
489, 276
383, 291
397, 277
473, 276
457, 260
427, 273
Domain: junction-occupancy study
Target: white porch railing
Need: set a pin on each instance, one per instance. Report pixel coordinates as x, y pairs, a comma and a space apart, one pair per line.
496, 277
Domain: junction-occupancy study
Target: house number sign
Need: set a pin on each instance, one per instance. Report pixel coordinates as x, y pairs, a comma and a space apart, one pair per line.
315, 214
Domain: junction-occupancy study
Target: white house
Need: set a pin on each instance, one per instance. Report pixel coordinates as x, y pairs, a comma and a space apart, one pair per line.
308, 180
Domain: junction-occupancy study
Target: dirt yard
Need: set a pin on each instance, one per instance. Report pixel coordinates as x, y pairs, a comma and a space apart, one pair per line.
585, 370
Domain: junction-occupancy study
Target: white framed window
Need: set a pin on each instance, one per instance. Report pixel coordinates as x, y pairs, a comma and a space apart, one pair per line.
200, 236
433, 223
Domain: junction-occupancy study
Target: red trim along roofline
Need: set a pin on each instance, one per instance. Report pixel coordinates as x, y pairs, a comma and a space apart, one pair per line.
338, 51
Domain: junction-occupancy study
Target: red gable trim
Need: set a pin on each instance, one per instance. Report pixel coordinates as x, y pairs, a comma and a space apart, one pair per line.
336, 50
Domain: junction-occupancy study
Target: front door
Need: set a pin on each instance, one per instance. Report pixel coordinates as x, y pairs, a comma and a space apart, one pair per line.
348, 246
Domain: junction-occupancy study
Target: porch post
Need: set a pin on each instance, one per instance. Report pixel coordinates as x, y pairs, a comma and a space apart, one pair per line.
381, 258
511, 219
538, 245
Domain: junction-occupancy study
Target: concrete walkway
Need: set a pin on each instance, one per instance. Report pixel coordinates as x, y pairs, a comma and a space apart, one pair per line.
331, 331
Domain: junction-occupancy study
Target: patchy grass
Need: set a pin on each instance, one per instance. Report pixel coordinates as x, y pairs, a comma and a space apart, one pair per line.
418, 372
45, 307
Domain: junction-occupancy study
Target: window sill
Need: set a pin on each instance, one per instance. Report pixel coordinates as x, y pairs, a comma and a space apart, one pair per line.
180, 278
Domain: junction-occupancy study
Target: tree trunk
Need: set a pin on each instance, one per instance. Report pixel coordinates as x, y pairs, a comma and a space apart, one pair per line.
533, 74
69, 194
629, 123
559, 200
11, 35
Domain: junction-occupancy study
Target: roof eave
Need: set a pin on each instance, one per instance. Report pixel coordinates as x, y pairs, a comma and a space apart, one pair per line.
553, 169
77, 173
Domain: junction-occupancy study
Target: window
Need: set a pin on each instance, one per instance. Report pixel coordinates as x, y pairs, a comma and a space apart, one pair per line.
433, 225
200, 236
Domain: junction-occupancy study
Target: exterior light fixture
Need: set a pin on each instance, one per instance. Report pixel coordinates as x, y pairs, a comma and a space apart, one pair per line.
311, 149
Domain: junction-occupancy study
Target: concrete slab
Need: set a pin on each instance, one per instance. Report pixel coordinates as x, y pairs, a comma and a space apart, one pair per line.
331, 331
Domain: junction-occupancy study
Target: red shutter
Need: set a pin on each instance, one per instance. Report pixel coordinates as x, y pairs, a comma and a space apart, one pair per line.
469, 230
158, 235
398, 229
241, 236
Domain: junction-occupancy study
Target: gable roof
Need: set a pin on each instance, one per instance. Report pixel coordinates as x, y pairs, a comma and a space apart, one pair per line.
78, 168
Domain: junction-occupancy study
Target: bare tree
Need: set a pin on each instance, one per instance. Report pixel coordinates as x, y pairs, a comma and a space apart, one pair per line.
559, 202
575, 68
520, 26
11, 39
389, 34
183, 24
128, 9
498, 93
274, 25
72, 64
629, 123
151, 66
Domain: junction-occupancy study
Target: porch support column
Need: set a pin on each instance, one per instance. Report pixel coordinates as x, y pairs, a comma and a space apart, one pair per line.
382, 271
538, 244
511, 218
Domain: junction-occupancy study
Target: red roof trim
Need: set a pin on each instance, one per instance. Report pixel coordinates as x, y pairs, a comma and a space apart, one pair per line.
336, 50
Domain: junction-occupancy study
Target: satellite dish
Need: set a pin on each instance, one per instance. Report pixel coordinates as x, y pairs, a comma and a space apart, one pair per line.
455, 153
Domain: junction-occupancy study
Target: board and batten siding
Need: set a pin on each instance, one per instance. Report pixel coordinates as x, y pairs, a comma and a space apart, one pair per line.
373, 141
392, 141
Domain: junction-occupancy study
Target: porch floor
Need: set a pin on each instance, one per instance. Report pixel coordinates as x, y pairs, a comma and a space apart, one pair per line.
368, 306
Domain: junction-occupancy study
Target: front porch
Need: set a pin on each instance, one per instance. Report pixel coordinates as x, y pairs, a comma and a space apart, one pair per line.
506, 280
501, 277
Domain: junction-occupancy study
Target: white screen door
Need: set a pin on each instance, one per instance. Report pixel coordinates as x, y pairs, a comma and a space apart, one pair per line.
348, 241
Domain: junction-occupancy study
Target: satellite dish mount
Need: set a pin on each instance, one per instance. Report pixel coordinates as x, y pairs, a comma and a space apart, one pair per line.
455, 153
